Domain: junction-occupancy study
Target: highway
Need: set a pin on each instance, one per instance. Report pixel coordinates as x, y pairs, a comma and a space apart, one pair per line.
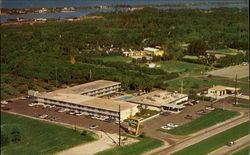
199, 136
227, 150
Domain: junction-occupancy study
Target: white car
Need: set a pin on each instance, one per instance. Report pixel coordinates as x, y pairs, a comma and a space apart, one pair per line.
61, 110
4, 102
172, 125
32, 104
210, 108
94, 126
79, 114
43, 116
166, 127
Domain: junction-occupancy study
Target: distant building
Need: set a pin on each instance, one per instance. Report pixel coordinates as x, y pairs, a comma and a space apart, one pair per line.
84, 99
148, 51
133, 53
161, 100
217, 91
96, 88
89, 105
153, 51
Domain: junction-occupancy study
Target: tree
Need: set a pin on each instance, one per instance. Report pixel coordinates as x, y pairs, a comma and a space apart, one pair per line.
15, 135
197, 48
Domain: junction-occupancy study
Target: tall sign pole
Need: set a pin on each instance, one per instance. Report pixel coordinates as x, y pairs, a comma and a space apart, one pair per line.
119, 125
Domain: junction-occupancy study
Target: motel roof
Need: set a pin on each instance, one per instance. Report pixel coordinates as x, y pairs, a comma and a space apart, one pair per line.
175, 106
221, 88
87, 87
106, 104
157, 98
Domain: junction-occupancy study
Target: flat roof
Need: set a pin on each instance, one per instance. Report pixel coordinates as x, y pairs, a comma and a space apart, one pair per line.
220, 88
171, 105
90, 101
150, 49
87, 87
157, 98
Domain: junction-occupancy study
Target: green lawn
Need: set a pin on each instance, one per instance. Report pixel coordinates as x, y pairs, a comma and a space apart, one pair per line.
145, 144
203, 122
244, 151
147, 113
245, 79
38, 137
241, 105
190, 57
216, 141
179, 66
115, 58
194, 83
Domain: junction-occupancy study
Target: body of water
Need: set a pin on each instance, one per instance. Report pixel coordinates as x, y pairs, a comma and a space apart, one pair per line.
68, 3
83, 12
123, 98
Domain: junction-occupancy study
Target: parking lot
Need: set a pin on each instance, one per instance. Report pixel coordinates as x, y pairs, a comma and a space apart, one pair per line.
21, 107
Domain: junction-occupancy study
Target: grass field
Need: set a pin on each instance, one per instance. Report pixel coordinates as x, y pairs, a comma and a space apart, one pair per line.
216, 141
245, 79
241, 105
179, 66
194, 83
38, 137
145, 144
203, 122
115, 58
243, 151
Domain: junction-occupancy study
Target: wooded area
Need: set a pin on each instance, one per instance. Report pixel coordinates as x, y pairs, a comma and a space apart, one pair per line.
37, 56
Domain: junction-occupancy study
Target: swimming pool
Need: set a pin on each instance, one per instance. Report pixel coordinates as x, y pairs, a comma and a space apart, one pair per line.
123, 98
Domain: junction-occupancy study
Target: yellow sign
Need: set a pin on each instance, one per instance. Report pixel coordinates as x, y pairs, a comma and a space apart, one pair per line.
133, 125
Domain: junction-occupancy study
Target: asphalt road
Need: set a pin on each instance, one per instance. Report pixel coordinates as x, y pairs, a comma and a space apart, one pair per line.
199, 136
227, 150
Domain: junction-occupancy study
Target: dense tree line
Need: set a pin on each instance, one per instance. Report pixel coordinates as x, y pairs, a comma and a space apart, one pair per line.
232, 60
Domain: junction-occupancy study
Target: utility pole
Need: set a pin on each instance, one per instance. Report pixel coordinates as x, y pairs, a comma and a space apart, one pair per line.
235, 92
90, 74
56, 76
181, 86
119, 125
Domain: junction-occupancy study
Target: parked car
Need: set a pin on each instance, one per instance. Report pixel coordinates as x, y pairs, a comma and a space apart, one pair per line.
109, 120
4, 102
194, 102
89, 116
188, 117
79, 114
94, 126
200, 112
166, 127
54, 119
231, 143
210, 108
43, 116
188, 104
165, 113
32, 104
172, 125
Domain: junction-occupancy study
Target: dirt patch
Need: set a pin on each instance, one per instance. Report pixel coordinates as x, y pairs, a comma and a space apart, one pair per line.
230, 72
